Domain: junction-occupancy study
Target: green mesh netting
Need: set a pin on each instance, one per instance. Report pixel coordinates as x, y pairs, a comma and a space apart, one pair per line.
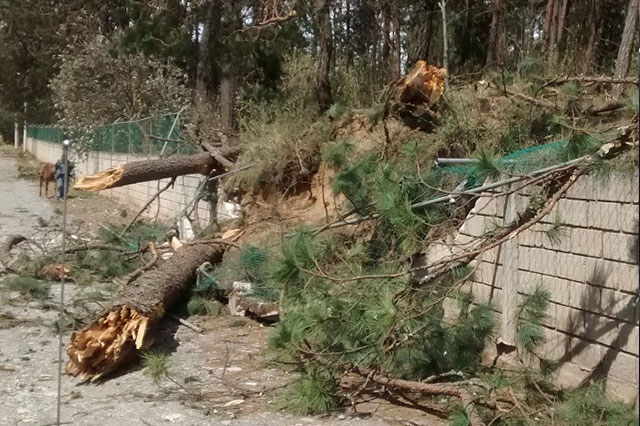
147, 136
520, 162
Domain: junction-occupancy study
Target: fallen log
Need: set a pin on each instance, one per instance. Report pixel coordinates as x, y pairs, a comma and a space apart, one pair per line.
147, 170
128, 324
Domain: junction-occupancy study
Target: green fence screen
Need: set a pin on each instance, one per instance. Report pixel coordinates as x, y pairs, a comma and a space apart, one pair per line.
151, 135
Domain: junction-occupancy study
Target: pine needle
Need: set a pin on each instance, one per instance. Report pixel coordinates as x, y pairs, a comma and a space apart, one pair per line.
557, 231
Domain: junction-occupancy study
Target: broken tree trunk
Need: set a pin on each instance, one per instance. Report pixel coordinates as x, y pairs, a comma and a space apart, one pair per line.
416, 95
147, 170
128, 325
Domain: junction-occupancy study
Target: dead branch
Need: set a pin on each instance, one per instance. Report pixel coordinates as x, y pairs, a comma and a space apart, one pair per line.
468, 402
147, 204
187, 324
590, 79
531, 99
154, 259
611, 106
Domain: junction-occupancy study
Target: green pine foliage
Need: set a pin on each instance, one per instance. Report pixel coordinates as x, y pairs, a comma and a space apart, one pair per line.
28, 286
313, 393
487, 166
531, 315
557, 231
337, 154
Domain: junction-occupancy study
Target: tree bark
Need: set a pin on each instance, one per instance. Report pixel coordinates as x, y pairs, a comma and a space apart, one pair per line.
421, 32
395, 72
325, 53
228, 96
622, 62
386, 35
128, 324
146, 170
497, 38
206, 70
429, 389
595, 33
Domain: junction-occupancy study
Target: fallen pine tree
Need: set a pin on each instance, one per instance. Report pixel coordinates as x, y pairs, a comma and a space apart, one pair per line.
128, 325
147, 170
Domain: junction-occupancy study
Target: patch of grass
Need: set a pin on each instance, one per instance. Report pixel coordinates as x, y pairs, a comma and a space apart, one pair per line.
31, 287
198, 305
238, 323
591, 406
156, 365
81, 277
67, 323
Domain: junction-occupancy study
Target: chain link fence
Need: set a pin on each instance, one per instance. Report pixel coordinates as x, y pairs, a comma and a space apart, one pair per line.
150, 136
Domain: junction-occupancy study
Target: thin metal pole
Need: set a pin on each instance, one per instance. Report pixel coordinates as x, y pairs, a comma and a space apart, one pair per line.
65, 183
175, 120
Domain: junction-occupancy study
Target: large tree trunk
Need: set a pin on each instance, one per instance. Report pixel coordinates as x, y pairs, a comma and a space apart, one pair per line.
128, 324
397, 49
206, 71
497, 34
228, 97
421, 31
325, 52
622, 62
594, 24
146, 170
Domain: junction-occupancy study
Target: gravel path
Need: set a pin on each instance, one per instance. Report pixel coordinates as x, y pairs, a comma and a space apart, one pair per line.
226, 364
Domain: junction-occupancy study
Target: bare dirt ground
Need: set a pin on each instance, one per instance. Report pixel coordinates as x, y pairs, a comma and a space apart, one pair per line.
219, 377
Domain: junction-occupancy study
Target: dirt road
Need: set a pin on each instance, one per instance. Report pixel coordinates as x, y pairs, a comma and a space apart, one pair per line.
219, 377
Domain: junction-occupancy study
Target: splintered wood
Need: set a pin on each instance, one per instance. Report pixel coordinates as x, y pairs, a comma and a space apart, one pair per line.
108, 343
99, 181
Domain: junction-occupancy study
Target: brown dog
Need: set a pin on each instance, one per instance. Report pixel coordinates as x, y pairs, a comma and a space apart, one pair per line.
45, 174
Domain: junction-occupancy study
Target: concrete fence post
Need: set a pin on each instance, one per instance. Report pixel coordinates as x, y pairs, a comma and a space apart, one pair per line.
510, 282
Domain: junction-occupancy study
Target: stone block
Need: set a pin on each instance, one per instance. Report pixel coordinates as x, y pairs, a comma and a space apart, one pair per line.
570, 266
600, 329
538, 260
624, 367
622, 391
555, 345
569, 320
583, 241
560, 290
620, 247
615, 187
623, 276
570, 375
572, 212
613, 216
490, 206
619, 305
628, 339
585, 354
473, 226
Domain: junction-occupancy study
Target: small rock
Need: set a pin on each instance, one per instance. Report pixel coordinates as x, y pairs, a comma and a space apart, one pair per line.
172, 418
234, 402
24, 358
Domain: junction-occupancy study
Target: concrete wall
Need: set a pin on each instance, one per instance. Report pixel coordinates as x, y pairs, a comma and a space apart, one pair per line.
171, 203
591, 273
